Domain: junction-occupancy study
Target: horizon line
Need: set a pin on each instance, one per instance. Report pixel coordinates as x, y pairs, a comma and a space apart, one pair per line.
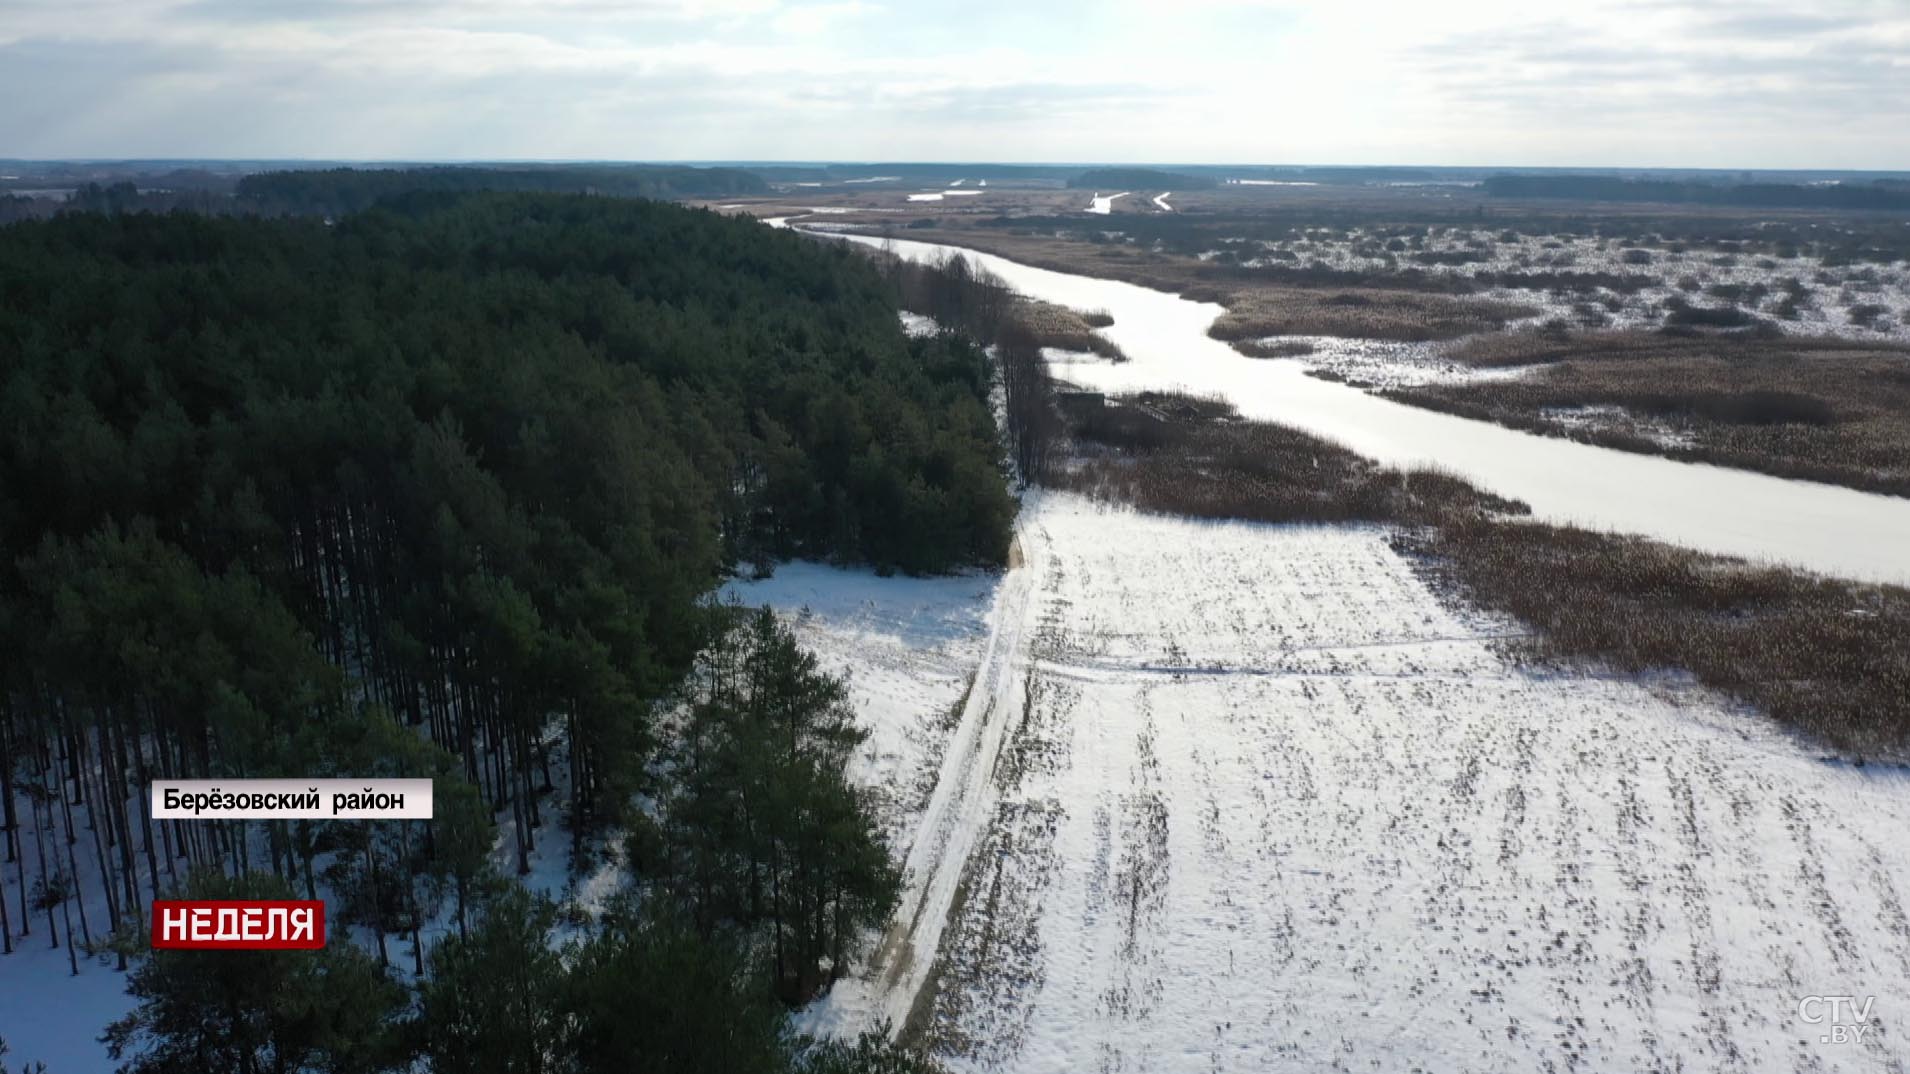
846, 162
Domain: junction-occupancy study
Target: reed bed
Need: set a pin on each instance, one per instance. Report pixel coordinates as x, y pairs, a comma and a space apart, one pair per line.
1830, 658
1058, 326
1286, 348
1836, 411
1192, 455
1402, 316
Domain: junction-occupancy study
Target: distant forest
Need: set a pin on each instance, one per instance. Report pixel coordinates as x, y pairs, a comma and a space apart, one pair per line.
441, 489
913, 172
1880, 195
1138, 179
344, 190
337, 191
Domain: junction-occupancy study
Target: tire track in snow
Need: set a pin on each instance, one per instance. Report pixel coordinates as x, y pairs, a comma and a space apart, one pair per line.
964, 798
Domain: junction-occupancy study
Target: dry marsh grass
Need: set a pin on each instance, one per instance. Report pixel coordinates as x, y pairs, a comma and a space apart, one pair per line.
1366, 313
1826, 410
1058, 326
1286, 348
1829, 658
1192, 455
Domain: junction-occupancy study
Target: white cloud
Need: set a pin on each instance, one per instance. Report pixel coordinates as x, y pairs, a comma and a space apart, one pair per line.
818, 18
1749, 82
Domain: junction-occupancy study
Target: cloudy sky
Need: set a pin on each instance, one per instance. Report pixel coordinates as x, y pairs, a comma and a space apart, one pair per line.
1728, 83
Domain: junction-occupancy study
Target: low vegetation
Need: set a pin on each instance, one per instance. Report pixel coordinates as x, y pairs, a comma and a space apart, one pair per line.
1359, 314
1060, 327
1829, 658
1827, 410
1286, 348
1853, 195
1193, 456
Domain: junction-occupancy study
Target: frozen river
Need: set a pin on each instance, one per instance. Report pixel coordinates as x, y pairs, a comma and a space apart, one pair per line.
1823, 528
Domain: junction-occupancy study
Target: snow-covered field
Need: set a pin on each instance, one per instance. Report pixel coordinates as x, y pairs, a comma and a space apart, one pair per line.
1242, 797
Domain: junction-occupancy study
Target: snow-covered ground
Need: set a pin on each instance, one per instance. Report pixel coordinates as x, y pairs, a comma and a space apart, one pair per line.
1388, 364
47, 1013
915, 324
1104, 203
51, 1014
1161, 201
908, 647
1244, 797
1828, 297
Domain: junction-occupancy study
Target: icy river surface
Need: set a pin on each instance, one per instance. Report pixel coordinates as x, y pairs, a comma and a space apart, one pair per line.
1823, 528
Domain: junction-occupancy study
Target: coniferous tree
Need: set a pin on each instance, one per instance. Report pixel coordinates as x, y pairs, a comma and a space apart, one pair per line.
649, 992
267, 1012
494, 1003
769, 833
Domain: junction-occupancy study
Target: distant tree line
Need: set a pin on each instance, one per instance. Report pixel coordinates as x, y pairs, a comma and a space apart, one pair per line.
1138, 179
440, 490
336, 191
1753, 195
912, 172
17, 207
967, 301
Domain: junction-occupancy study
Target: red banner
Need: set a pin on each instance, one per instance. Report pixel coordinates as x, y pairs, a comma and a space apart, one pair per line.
239, 925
